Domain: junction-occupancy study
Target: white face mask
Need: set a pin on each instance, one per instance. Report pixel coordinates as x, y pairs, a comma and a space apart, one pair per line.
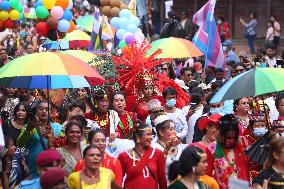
224, 48
219, 22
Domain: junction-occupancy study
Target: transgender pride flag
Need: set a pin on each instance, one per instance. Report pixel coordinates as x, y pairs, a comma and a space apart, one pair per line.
207, 38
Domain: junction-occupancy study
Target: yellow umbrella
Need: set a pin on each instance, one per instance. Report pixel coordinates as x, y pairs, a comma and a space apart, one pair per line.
83, 55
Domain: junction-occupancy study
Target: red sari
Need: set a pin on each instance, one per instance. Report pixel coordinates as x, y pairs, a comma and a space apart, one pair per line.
148, 172
107, 162
126, 125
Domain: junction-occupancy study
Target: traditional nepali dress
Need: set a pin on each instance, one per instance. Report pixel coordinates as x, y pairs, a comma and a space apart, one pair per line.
125, 125
223, 164
148, 172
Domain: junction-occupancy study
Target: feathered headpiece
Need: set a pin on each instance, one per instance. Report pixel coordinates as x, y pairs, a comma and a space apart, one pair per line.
136, 68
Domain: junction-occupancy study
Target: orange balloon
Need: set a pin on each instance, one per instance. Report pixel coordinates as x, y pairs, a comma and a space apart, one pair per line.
114, 12
62, 3
106, 10
72, 27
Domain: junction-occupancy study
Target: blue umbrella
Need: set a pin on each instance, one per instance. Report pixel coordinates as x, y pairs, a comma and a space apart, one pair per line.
47, 82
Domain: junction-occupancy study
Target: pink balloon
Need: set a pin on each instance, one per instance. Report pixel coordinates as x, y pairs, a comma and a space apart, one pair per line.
126, 34
139, 36
57, 12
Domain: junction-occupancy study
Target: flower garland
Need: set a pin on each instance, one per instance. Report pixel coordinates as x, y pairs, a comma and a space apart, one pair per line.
128, 125
103, 122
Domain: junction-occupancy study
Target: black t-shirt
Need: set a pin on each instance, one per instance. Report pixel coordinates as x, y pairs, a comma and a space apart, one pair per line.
265, 174
10, 131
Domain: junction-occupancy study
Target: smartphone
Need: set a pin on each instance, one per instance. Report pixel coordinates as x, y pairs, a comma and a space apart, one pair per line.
193, 106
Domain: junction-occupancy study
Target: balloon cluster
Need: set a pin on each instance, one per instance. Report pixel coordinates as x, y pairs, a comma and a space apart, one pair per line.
11, 12
109, 8
54, 18
127, 28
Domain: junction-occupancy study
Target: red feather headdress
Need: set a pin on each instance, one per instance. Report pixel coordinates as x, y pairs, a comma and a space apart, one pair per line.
136, 69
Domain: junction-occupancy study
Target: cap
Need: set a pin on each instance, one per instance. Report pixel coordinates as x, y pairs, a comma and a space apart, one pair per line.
181, 84
155, 103
52, 177
204, 121
160, 119
228, 42
47, 157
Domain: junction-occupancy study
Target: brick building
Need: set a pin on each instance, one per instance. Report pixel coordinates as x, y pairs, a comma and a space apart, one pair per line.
232, 10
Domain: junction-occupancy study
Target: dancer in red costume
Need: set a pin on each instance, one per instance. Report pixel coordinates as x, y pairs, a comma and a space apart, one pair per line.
140, 81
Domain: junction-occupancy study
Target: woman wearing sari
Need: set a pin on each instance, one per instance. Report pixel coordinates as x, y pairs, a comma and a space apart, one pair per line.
98, 138
93, 176
38, 135
73, 150
143, 165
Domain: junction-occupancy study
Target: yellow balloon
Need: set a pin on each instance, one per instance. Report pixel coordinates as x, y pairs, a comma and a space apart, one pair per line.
4, 15
14, 15
49, 3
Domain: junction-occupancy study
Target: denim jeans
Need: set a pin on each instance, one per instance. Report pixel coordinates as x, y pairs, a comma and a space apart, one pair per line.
250, 43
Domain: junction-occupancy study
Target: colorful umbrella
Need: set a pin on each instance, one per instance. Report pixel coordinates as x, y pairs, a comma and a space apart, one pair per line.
174, 48
255, 82
49, 70
83, 55
86, 22
75, 39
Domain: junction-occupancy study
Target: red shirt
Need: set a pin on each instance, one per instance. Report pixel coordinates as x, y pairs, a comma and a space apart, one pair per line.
123, 127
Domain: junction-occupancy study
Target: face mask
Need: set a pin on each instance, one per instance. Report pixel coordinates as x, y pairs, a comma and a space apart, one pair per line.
259, 132
216, 110
171, 103
148, 121
224, 48
219, 22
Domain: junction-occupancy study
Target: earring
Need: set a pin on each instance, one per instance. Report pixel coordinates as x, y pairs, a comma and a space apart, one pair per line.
96, 105
193, 169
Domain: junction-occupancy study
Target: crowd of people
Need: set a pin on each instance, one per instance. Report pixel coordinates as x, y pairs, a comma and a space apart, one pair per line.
158, 130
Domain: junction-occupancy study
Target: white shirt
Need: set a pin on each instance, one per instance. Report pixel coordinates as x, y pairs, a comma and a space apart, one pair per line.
180, 120
191, 121
277, 29
271, 62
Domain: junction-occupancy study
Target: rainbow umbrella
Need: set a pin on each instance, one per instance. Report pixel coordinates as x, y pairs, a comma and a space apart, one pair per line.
83, 55
86, 22
49, 70
255, 82
173, 47
75, 39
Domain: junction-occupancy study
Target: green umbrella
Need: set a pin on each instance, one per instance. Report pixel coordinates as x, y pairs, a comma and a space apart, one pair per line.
86, 22
255, 82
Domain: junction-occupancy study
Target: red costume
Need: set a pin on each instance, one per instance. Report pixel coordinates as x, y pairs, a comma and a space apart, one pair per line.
102, 120
136, 72
224, 30
126, 125
107, 162
148, 172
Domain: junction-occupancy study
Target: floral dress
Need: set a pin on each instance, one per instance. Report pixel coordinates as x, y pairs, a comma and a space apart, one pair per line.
223, 164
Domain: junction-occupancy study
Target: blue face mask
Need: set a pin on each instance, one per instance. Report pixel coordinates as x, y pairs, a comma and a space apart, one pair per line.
148, 121
216, 110
259, 132
171, 103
